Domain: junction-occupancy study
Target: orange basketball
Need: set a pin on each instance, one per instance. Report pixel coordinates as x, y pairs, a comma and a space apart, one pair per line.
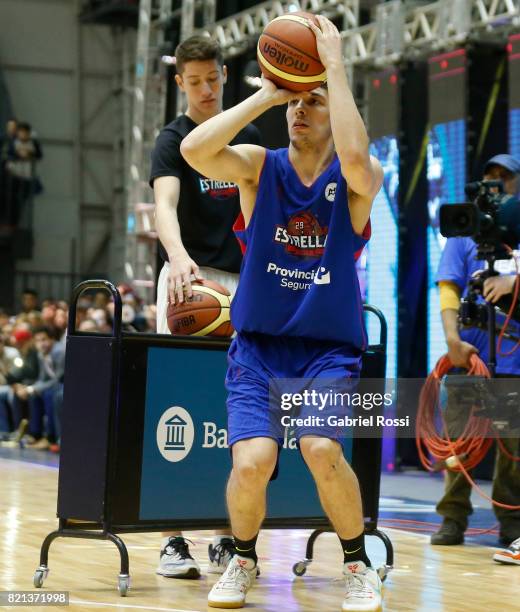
287, 53
205, 314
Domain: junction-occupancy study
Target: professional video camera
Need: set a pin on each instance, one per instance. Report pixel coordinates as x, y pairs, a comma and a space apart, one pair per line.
492, 219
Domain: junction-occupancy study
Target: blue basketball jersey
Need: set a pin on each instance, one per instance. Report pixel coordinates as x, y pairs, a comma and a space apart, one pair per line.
298, 275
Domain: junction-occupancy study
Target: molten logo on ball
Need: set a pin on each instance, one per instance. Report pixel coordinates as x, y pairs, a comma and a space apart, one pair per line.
283, 59
288, 55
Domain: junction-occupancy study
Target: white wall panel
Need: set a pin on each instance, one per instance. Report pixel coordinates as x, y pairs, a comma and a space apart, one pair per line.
45, 100
38, 33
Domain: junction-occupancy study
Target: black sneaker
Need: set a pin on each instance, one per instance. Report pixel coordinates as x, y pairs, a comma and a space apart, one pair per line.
220, 555
176, 561
449, 534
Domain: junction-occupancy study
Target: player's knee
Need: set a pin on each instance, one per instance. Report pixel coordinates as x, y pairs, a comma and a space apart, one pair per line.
321, 454
253, 471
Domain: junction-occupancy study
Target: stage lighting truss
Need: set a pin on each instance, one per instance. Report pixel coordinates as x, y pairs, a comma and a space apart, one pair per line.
240, 32
399, 32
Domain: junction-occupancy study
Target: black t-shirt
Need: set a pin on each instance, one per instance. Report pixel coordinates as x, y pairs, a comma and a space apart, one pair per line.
207, 209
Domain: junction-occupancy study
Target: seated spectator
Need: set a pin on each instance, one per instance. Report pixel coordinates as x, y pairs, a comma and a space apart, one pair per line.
48, 301
7, 332
34, 319
29, 300
88, 326
101, 299
9, 359
101, 318
82, 312
150, 315
61, 319
27, 370
43, 395
4, 319
24, 370
48, 313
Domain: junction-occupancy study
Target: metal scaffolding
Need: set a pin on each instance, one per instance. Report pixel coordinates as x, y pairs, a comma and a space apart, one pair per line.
236, 34
148, 114
397, 32
148, 110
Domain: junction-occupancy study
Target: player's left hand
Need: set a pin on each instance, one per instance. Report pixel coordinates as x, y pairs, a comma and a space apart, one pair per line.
497, 286
328, 41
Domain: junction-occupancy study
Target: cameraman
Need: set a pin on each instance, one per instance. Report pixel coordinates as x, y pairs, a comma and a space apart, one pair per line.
457, 266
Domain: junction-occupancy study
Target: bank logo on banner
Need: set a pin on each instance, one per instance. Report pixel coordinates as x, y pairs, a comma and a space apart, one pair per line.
175, 434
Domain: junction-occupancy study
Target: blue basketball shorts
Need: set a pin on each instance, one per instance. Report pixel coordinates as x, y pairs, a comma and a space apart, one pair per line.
264, 369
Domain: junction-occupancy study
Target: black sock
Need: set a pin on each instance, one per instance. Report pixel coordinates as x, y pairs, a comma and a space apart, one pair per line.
246, 548
354, 550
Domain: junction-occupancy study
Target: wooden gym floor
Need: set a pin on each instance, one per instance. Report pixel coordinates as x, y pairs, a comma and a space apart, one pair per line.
425, 578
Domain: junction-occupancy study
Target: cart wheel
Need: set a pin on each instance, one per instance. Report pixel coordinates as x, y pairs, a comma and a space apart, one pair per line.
39, 577
299, 568
382, 572
123, 584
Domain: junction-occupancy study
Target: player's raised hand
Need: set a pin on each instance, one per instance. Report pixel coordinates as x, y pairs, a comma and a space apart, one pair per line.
182, 268
276, 95
328, 41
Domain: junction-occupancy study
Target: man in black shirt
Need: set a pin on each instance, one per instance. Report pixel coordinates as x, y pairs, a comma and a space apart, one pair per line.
195, 215
194, 219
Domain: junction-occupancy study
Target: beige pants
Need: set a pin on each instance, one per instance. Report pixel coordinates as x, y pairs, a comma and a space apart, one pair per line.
228, 279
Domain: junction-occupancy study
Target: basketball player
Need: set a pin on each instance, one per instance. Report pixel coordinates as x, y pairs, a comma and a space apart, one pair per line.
324, 185
194, 217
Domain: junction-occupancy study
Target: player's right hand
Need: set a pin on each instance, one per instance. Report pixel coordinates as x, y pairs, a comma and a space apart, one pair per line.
182, 268
459, 353
276, 95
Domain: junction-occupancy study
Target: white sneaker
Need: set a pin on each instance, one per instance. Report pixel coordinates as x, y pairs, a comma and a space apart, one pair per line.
510, 555
364, 588
231, 588
176, 561
220, 554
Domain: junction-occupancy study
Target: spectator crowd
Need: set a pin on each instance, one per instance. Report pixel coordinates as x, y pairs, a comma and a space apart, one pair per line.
32, 359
